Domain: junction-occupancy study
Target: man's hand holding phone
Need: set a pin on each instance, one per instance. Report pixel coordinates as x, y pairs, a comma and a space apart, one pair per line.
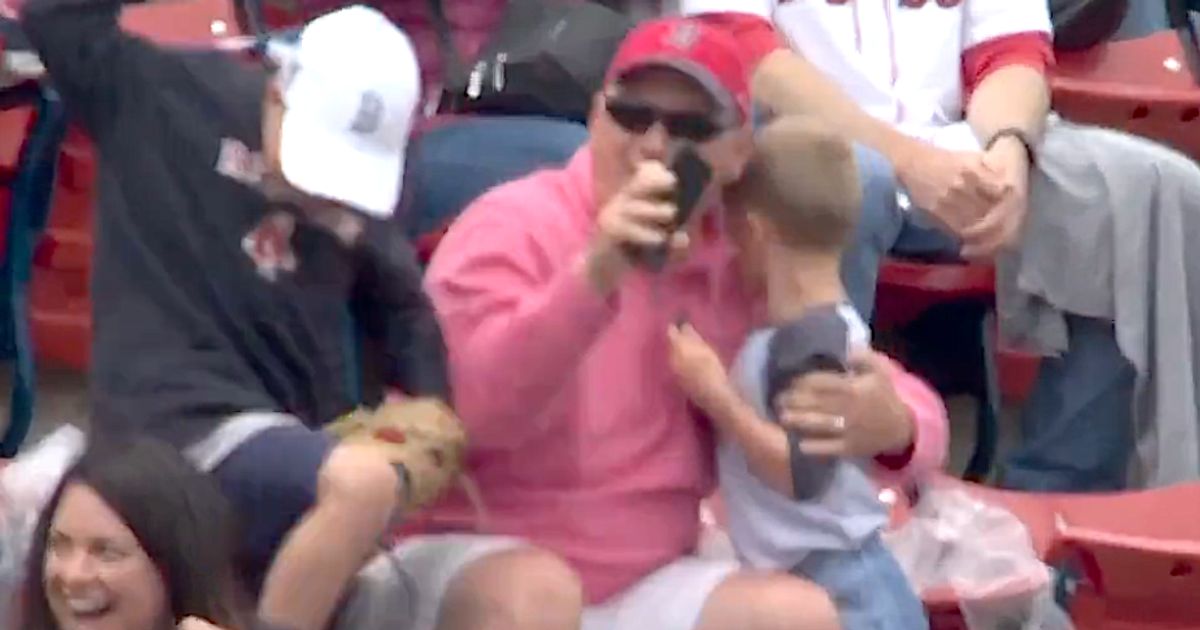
639, 218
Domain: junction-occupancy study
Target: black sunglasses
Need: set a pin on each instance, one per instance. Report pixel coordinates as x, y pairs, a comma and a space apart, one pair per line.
638, 118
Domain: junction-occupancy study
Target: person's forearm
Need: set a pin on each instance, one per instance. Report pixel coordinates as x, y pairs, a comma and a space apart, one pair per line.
787, 83
88, 58
512, 354
763, 442
1015, 96
931, 429
61, 29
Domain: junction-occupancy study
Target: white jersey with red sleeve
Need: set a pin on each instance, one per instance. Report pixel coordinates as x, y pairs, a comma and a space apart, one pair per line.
910, 62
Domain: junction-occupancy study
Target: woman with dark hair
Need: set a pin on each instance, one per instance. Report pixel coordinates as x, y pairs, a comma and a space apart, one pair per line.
133, 538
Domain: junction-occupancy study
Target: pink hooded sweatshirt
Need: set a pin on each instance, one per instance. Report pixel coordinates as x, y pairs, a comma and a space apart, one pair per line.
581, 441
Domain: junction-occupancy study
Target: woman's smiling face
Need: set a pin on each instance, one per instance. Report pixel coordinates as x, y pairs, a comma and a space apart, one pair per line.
97, 575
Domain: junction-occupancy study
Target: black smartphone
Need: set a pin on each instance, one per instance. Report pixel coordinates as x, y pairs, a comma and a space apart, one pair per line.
692, 176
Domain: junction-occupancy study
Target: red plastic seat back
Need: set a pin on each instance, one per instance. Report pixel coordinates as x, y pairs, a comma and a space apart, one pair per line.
14, 123
1171, 513
1138, 555
190, 22
1142, 86
1155, 585
906, 288
60, 296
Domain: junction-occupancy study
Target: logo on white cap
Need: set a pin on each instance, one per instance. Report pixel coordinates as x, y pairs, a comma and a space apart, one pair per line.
370, 113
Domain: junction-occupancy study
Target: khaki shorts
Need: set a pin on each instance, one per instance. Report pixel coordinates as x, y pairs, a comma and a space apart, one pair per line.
410, 582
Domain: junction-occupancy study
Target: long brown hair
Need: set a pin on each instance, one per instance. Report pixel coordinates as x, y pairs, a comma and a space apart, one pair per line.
179, 516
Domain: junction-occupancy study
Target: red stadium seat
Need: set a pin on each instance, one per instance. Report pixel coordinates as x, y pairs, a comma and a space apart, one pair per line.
1142, 86
1128, 560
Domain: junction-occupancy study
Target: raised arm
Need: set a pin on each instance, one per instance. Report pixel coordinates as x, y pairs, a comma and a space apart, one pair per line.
517, 316
91, 61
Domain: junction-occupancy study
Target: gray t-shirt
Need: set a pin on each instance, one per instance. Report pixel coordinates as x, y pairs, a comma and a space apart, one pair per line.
771, 530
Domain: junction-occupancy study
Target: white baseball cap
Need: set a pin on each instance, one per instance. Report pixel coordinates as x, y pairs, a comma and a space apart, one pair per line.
350, 85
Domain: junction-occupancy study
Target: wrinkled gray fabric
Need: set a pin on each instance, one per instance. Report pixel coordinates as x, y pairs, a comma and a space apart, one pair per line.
1114, 233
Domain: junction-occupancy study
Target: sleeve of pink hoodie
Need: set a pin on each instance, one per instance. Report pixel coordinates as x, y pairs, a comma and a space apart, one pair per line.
518, 314
931, 429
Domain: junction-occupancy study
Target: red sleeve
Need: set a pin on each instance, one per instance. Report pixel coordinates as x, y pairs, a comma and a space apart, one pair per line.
756, 35
931, 430
1031, 48
896, 462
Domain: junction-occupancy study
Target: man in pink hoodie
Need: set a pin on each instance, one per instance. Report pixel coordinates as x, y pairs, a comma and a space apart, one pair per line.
592, 465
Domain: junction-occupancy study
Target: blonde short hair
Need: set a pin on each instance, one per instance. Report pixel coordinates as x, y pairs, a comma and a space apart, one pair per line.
803, 179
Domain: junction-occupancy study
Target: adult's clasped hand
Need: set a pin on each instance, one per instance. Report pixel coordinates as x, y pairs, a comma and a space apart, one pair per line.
979, 197
1000, 227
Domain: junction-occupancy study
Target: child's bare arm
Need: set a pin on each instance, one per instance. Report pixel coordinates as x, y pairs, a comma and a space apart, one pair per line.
706, 382
765, 443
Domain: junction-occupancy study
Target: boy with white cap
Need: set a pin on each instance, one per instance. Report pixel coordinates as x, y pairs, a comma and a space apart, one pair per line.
239, 212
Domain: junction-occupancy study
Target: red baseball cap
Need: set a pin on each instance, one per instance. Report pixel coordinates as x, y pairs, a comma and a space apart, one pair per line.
707, 54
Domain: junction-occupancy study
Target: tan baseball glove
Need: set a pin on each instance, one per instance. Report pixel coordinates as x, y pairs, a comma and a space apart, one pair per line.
422, 436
